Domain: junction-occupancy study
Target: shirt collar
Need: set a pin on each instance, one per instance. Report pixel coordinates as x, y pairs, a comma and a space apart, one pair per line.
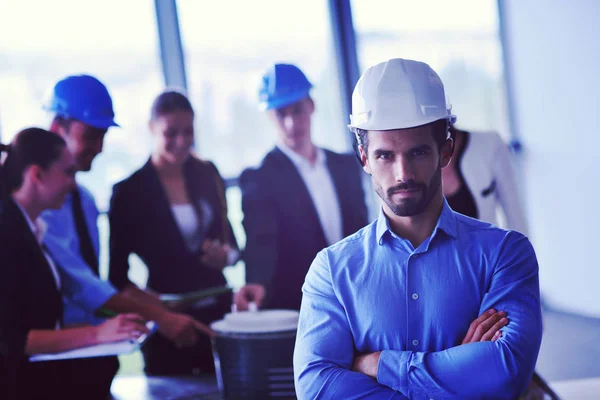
38, 228
446, 223
301, 162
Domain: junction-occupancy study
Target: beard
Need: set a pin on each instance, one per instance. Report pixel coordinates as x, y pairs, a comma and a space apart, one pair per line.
409, 207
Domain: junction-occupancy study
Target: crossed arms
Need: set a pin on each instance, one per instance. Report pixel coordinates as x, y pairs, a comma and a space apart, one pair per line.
325, 353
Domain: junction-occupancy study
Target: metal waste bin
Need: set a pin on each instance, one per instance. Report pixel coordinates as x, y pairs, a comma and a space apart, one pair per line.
253, 354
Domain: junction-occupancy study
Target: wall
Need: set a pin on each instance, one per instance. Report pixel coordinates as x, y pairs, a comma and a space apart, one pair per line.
553, 60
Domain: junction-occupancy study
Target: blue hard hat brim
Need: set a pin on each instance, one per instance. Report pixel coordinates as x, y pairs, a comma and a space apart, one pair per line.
102, 123
284, 101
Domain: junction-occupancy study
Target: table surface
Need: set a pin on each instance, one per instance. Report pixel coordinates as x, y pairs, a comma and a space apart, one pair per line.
577, 389
140, 387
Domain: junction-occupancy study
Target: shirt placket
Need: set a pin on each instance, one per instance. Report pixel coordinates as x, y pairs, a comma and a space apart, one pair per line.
413, 310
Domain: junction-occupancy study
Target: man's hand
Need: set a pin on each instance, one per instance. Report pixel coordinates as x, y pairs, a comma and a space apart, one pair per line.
367, 364
183, 330
486, 327
252, 292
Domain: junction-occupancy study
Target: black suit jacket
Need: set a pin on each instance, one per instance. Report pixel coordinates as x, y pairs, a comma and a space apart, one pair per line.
282, 226
141, 222
29, 299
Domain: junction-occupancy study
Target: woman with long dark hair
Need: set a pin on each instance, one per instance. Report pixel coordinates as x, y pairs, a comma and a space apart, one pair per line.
37, 173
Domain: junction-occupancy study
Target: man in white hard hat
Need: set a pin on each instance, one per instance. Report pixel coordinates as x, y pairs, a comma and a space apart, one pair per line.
423, 303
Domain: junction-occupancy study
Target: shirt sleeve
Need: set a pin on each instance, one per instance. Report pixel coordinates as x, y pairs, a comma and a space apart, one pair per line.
324, 349
507, 193
260, 224
491, 370
79, 283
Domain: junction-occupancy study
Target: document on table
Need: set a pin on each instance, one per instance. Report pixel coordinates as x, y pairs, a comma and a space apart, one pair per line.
99, 350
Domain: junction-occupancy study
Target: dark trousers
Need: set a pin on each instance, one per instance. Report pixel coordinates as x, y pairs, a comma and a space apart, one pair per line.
83, 378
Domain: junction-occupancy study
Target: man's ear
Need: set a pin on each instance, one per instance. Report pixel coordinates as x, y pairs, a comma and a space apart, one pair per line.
364, 160
446, 152
311, 105
56, 127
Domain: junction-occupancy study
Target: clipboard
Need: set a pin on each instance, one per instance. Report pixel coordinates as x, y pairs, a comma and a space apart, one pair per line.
196, 296
99, 350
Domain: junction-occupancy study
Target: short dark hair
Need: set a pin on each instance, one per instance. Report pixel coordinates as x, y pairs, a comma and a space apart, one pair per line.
169, 102
440, 129
31, 146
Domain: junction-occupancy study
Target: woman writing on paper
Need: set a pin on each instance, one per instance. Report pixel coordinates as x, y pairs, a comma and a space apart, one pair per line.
36, 174
172, 213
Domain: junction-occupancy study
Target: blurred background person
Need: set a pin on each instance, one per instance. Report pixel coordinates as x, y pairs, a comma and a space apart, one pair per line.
38, 174
172, 213
301, 198
82, 113
480, 180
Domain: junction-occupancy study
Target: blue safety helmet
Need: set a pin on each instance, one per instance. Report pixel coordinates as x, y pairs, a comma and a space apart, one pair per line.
84, 98
282, 85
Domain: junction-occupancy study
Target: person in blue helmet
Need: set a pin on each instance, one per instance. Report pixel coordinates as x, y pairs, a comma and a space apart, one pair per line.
82, 112
301, 199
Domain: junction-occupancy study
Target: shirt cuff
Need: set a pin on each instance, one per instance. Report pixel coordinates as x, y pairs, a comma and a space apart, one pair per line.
95, 295
393, 369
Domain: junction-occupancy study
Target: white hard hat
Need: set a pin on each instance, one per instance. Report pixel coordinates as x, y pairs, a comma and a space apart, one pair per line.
398, 94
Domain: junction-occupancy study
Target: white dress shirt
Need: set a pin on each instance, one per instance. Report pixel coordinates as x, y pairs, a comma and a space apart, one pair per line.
193, 232
322, 191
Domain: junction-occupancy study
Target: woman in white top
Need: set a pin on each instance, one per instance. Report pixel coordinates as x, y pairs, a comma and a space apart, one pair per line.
172, 213
480, 181
37, 173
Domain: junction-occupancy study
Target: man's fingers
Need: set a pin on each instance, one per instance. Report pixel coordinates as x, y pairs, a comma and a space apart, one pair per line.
203, 328
494, 330
475, 324
497, 336
240, 299
486, 325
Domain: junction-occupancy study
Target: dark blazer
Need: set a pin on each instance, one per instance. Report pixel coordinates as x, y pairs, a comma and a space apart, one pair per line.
282, 226
141, 222
29, 299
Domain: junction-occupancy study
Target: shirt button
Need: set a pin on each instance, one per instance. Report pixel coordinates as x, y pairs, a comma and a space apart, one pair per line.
415, 342
415, 296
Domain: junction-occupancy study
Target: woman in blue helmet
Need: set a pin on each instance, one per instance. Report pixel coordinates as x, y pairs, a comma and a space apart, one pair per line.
172, 213
37, 174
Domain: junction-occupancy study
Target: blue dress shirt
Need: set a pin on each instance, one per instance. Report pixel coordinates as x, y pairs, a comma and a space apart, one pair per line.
374, 292
83, 292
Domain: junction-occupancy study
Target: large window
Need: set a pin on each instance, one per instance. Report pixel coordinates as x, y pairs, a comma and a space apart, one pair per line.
228, 44
459, 39
116, 41
113, 40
